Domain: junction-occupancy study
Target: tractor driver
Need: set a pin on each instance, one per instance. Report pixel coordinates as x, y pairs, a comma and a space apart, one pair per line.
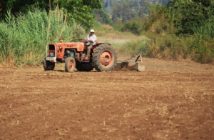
91, 40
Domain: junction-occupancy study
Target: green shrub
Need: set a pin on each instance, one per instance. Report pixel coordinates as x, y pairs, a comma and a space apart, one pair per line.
206, 30
172, 47
201, 50
191, 16
133, 26
183, 29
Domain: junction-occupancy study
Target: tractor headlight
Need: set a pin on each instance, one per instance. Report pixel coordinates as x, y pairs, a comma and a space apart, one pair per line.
51, 54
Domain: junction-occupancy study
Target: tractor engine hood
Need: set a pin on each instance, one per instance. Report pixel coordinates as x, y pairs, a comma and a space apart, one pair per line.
78, 46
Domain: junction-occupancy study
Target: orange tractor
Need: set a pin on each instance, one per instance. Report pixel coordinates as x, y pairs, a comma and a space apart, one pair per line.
74, 54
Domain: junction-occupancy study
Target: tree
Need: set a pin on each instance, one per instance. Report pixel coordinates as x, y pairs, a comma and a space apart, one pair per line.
79, 10
128, 9
190, 14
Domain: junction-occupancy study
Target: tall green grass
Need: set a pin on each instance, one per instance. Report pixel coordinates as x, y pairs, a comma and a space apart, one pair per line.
23, 39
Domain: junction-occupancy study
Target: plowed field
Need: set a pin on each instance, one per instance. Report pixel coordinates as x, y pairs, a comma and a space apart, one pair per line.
169, 101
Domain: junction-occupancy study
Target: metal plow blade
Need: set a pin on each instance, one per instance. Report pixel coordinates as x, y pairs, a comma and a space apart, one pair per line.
135, 64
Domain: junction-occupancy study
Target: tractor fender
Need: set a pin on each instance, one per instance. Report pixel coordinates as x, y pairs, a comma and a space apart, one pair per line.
100, 44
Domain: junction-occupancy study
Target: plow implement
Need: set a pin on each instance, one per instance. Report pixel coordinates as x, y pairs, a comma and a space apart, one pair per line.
134, 64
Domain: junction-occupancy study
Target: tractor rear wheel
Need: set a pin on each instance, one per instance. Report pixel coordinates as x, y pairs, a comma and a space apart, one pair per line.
70, 64
104, 58
47, 65
84, 66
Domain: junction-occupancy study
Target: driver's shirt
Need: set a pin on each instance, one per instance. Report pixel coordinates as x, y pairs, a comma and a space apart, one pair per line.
92, 38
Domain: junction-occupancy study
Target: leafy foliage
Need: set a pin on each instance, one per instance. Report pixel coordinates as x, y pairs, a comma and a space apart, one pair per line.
189, 15
135, 26
182, 29
78, 10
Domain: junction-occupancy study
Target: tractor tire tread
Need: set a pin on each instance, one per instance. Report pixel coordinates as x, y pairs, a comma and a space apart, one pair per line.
96, 55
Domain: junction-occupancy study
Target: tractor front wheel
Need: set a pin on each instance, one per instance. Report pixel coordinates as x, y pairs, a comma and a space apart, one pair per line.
47, 65
70, 64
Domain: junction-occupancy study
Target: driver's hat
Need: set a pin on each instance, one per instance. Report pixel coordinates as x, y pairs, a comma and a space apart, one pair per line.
92, 31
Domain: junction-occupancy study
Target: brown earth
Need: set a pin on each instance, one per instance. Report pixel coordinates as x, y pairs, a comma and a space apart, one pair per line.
169, 101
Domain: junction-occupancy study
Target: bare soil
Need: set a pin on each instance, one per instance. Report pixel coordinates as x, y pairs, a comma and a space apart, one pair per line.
171, 100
